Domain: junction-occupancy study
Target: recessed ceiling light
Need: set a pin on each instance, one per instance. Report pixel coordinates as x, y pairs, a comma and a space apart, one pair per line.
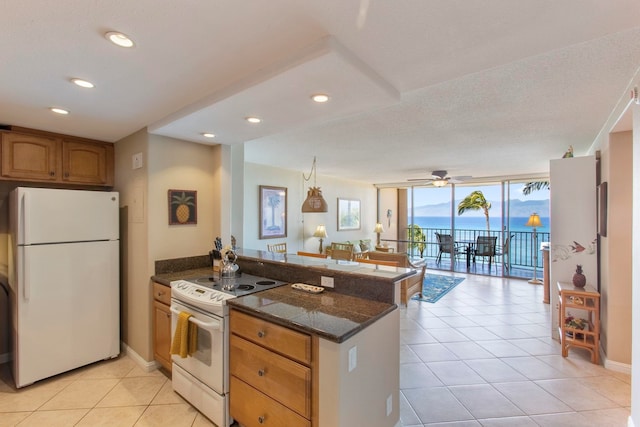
253, 119
119, 39
320, 97
82, 83
208, 135
59, 110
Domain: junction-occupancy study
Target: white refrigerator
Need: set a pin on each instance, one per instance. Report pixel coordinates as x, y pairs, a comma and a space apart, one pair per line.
63, 280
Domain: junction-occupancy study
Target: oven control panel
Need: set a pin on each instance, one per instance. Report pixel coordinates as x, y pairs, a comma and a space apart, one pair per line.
190, 292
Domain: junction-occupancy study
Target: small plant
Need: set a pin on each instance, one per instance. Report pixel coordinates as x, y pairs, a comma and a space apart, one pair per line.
416, 238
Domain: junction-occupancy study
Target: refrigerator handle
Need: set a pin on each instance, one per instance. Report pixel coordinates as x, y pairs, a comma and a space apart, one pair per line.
26, 204
26, 268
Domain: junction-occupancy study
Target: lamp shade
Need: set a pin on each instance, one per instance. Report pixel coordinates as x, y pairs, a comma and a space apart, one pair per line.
321, 231
439, 182
315, 202
378, 228
534, 221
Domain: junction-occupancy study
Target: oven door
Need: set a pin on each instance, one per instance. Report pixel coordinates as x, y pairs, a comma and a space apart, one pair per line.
210, 363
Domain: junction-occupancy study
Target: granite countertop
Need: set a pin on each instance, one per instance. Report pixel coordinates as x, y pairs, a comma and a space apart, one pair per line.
194, 273
330, 315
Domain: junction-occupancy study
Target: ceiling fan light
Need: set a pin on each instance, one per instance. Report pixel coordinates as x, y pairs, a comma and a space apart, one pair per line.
439, 182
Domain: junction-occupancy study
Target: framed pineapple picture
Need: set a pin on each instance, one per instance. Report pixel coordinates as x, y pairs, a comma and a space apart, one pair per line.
273, 212
183, 207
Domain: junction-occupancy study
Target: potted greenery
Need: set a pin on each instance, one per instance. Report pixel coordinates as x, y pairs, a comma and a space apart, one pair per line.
417, 238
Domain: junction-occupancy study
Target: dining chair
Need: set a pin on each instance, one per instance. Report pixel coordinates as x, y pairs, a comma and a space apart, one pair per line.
312, 254
342, 251
279, 248
378, 262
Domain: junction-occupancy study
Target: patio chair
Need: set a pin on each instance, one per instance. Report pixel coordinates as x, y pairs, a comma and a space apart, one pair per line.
446, 245
485, 248
278, 248
504, 252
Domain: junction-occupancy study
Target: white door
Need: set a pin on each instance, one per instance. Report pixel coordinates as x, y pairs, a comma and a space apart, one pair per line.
67, 308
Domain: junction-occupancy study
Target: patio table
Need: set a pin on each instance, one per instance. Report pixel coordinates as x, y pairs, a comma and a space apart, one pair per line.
469, 245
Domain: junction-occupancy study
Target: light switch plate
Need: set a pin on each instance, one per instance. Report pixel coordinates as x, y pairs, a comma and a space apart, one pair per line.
136, 161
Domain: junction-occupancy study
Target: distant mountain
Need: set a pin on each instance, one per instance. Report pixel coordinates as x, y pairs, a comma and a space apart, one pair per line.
517, 208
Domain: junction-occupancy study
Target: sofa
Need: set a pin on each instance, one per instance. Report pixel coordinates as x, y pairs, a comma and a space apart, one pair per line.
360, 247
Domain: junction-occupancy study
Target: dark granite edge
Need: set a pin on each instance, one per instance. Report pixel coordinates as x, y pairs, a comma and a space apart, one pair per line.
167, 278
306, 329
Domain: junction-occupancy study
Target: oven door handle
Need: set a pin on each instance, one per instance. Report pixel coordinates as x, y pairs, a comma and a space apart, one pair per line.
212, 326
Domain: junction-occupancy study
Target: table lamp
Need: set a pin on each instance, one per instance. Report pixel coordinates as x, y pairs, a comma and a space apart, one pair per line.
378, 230
321, 232
534, 221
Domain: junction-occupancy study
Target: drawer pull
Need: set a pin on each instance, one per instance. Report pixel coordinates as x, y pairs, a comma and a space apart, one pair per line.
160, 294
260, 334
261, 419
261, 372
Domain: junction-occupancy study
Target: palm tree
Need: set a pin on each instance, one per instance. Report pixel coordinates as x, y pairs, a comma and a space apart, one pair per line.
475, 202
530, 187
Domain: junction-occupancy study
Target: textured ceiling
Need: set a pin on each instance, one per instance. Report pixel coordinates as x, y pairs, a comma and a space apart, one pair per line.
484, 88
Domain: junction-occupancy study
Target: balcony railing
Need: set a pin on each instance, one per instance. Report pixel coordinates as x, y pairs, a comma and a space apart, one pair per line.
520, 251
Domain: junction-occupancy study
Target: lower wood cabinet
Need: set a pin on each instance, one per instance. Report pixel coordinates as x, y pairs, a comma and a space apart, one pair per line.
272, 374
162, 325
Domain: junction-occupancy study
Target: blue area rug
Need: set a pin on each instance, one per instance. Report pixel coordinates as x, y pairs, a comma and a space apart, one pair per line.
436, 286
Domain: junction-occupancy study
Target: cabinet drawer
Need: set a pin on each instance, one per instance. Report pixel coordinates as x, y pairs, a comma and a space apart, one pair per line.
162, 293
280, 378
253, 409
290, 343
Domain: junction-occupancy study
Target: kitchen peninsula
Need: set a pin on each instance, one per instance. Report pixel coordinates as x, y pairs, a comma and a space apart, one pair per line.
332, 356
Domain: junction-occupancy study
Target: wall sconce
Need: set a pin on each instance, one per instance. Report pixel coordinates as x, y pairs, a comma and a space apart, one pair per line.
534, 221
314, 202
321, 232
378, 230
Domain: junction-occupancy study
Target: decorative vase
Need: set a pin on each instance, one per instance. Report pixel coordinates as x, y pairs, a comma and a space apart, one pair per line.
579, 280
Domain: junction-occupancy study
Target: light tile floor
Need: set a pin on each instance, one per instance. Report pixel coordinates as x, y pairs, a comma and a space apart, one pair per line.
481, 356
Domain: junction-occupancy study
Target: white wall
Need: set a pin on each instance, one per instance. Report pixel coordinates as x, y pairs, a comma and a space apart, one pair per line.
573, 219
300, 227
635, 351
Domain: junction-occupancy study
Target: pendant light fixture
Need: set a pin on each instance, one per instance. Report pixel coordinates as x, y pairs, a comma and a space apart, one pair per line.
314, 202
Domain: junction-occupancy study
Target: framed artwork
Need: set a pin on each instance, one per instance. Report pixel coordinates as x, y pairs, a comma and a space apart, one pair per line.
602, 209
183, 207
273, 212
348, 214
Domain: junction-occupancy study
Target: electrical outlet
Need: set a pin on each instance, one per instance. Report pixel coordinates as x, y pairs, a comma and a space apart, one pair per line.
389, 405
327, 282
353, 358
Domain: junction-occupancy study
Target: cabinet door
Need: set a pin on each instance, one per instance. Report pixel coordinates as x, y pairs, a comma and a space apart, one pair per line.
162, 334
85, 163
29, 157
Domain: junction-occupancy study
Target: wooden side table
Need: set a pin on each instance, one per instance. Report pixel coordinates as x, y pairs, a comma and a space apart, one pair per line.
583, 306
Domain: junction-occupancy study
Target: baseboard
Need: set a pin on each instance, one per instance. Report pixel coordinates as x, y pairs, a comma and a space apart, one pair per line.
5, 357
625, 368
144, 365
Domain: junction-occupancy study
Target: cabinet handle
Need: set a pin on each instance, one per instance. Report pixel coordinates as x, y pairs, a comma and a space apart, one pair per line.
66, 174
261, 372
52, 173
260, 334
261, 419
168, 315
160, 294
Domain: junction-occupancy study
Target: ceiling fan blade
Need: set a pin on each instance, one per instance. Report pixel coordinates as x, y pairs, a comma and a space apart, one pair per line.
420, 179
459, 179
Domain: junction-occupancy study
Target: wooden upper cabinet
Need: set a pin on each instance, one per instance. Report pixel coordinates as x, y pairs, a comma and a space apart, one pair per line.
57, 159
29, 157
87, 163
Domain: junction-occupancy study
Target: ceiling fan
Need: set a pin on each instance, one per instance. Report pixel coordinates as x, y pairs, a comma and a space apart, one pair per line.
440, 179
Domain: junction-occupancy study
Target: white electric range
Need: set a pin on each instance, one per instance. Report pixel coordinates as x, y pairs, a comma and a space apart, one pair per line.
203, 378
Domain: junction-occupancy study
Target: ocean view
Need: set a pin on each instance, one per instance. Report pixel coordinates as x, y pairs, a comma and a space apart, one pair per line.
469, 222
